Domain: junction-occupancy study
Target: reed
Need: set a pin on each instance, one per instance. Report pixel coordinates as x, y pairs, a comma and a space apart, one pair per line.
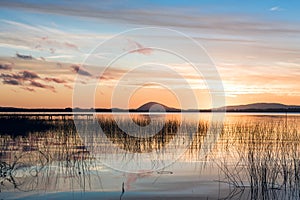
258, 160
262, 157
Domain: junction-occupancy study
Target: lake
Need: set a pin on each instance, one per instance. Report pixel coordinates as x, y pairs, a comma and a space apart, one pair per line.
142, 156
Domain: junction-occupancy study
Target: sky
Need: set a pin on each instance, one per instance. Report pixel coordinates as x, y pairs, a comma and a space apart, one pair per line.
189, 54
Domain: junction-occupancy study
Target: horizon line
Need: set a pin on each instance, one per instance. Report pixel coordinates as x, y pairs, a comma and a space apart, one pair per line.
116, 108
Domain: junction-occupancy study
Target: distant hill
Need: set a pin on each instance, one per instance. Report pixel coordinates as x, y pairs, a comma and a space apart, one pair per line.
156, 107
261, 107
13, 109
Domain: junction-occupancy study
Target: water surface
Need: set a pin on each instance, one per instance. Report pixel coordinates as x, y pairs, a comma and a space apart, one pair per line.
113, 156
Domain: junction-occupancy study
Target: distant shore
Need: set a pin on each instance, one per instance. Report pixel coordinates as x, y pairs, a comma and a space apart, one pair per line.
104, 110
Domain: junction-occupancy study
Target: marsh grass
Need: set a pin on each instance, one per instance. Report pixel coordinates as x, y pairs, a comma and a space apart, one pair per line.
164, 132
257, 159
42, 154
261, 157
54, 150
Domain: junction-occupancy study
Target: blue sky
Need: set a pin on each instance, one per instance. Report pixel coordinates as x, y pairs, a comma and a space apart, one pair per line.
36, 11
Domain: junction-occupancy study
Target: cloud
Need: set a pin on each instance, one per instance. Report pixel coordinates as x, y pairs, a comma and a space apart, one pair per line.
28, 89
275, 8
17, 77
59, 56
138, 48
68, 86
25, 57
56, 80
16, 35
28, 79
80, 70
58, 43
21, 76
52, 50
70, 45
29, 75
5, 66
11, 82
40, 85
163, 17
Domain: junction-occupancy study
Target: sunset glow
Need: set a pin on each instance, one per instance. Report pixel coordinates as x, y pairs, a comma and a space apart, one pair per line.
45, 45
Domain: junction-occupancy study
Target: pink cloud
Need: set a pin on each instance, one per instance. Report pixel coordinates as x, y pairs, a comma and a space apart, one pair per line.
68, 86
70, 45
41, 85
138, 48
55, 80
28, 89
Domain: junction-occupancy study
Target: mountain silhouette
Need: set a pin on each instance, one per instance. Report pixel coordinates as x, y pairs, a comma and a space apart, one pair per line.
156, 107
260, 106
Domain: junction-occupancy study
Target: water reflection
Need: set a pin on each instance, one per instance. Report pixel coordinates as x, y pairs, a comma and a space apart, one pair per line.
134, 144
256, 155
125, 144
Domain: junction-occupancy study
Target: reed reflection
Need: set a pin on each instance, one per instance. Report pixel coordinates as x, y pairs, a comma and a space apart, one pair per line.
258, 157
140, 144
42, 158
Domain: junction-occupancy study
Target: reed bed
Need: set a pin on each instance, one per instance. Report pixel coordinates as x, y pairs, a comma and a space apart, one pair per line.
53, 150
261, 159
257, 159
39, 157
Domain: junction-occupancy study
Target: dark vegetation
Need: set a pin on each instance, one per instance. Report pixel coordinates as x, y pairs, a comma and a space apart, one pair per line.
258, 160
257, 107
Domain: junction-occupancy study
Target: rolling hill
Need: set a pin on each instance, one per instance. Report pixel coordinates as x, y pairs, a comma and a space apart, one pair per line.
260, 107
156, 107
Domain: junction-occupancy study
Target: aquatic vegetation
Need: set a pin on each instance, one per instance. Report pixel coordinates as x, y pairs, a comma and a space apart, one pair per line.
256, 159
262, 157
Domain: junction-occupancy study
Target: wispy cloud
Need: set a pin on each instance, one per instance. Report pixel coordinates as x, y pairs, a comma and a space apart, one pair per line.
80, 70
35, 38
25, 57
70, 45
68, 86
28, 79
164, 17
20, 76
135, 47
41, 85
59, 56
275, 8
56, 80
28, 89
43, 44
11, 81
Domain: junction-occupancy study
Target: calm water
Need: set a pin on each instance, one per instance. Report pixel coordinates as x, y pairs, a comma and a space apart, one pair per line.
137, 156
